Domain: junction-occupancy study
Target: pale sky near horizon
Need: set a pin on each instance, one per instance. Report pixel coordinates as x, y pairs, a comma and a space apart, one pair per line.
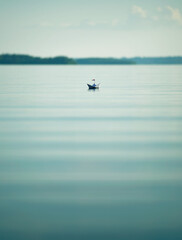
91, 28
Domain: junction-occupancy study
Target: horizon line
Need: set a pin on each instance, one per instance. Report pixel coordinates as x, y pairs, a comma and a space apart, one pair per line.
32, 55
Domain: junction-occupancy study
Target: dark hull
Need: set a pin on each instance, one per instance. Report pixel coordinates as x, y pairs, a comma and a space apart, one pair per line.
92, 87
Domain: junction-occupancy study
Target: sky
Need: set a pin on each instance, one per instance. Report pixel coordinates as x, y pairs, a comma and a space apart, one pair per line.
91, 28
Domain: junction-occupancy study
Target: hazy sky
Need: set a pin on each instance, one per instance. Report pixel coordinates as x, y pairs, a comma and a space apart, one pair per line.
84, 28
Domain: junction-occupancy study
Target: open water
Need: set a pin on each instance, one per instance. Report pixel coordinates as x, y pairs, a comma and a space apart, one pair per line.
79, 164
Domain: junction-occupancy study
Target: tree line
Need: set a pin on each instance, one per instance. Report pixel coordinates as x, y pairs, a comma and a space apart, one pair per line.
27, 59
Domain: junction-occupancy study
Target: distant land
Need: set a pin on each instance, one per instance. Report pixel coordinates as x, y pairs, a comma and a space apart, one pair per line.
135, 60
107, 61
27, 59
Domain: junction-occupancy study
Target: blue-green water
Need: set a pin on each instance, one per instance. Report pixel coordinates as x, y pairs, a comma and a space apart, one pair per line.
79, 164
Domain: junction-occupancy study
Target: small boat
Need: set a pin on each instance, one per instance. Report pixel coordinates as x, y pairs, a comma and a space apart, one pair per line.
93, 86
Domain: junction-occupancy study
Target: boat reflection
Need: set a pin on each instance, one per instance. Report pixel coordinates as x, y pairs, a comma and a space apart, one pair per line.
93, 90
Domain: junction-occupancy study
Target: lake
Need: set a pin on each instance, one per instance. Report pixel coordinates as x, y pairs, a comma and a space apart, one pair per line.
80, 164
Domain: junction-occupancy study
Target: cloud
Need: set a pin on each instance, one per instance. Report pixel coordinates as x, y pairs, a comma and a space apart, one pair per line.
91, 23
46, 24
175, 14
155, 18
115, 22
140, 11
159, 9
86, 23
66, 25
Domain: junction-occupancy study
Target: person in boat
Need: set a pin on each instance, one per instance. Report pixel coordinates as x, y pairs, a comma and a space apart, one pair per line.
94, 85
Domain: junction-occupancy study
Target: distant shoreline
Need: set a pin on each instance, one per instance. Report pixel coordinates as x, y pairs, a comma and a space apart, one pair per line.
19, 59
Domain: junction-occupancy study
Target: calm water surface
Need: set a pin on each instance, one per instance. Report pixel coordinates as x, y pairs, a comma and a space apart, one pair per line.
79, 164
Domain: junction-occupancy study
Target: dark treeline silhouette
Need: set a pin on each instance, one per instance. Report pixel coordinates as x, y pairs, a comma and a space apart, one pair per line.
26, 59
135, 60
104, 61
157, 60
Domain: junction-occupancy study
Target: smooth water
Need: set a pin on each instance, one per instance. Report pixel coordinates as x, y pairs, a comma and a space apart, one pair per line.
80, 164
